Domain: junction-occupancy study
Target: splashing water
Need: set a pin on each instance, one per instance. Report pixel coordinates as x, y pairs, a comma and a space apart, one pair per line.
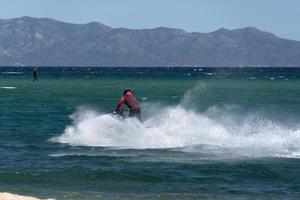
176, 127
182, 127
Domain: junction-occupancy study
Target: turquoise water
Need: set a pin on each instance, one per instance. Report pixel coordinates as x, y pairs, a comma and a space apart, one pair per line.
208, 133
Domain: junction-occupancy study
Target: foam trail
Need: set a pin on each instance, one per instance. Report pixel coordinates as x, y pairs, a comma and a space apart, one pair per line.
179, 127
219, 130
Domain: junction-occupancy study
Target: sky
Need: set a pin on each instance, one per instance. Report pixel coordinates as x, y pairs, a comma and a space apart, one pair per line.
280, 17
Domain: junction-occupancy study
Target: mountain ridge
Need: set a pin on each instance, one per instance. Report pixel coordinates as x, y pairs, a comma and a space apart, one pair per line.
28, 41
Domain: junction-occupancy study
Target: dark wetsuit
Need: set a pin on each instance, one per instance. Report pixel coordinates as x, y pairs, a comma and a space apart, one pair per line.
131, 102
34, 73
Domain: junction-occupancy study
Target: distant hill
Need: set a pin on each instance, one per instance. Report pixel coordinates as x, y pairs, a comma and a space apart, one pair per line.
46, 42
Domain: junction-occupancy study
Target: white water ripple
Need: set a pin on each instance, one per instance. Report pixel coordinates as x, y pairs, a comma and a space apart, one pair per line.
8, 87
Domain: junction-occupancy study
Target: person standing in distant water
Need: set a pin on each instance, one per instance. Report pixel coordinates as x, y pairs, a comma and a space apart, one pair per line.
132, 104
34, 74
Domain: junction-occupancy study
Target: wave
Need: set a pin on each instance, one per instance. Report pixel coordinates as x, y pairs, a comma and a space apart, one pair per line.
8, 87
16, 73
216, 130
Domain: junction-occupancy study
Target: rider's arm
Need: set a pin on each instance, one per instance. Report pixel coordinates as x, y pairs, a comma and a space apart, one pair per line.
121, 102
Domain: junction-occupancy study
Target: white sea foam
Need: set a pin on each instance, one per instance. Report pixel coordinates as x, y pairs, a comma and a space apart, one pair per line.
12, 73
179, 126
8, 87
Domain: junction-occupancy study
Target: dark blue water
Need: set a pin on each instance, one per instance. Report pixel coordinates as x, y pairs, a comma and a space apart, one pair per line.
208, 133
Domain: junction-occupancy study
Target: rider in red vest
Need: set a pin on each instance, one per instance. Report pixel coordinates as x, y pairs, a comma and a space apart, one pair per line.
132, 104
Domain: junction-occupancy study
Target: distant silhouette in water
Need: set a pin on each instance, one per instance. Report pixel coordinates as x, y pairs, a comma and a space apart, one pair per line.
34, 74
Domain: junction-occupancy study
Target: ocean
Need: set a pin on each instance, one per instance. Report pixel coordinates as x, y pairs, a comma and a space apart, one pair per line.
208, 133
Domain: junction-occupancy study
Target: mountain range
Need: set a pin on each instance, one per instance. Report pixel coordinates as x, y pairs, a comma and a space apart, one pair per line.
28, 41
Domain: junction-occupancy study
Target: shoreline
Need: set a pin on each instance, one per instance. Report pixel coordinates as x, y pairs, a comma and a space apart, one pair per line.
10, 196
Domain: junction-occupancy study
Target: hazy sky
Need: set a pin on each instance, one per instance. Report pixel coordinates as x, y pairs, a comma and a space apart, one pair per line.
277, 16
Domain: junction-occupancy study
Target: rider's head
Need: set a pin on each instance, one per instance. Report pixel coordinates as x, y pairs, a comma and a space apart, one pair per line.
125, 91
